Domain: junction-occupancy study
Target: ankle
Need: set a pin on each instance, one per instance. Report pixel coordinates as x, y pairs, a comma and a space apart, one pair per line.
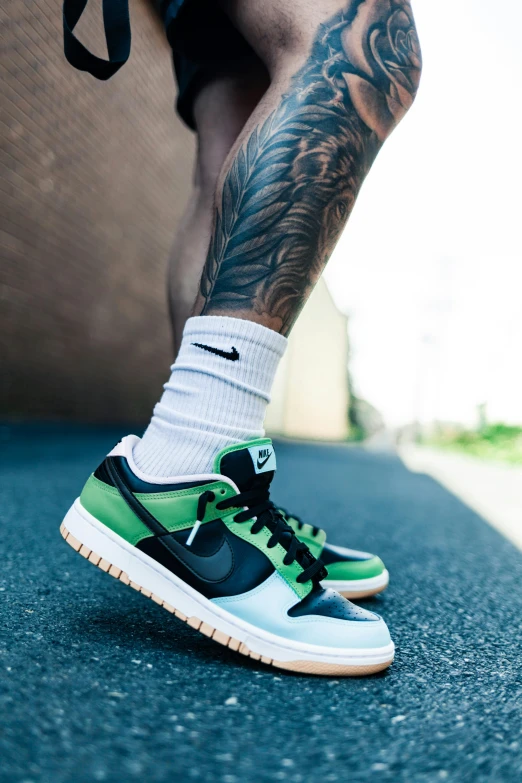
216, 396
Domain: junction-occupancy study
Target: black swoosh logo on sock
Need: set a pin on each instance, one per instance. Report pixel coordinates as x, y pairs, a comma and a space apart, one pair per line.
232, 355
262, 463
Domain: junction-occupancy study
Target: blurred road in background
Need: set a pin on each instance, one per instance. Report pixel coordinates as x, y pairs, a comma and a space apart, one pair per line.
100, 684
492, 489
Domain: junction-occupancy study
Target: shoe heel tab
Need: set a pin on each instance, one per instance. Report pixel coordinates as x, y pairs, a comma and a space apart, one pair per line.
124, 447
102, 474
118, 450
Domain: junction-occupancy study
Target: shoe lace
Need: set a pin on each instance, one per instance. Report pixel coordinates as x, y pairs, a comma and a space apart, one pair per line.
263, 513
300, 524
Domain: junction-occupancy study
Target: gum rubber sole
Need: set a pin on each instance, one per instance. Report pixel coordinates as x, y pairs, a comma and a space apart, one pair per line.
302, 666
366, 589
351, 595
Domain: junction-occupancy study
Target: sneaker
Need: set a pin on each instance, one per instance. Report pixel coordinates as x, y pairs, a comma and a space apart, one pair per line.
213, 550
352, 573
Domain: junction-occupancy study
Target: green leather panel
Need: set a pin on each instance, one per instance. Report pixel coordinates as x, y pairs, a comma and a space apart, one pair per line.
275, 554
175, 510
107, 505
357, 569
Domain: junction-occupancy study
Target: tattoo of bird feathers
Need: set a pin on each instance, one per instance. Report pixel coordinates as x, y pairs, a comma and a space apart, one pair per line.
294, 181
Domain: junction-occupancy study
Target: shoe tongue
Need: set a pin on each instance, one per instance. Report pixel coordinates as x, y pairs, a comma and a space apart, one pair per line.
254, 463
245, 462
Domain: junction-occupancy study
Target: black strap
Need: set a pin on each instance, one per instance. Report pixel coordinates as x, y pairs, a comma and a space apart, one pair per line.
117, 34
133, 503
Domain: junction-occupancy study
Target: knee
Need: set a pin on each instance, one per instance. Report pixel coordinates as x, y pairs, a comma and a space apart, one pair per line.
381, 48
367, 56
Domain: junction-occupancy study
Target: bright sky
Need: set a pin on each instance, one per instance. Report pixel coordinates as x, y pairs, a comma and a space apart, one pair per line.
430, 267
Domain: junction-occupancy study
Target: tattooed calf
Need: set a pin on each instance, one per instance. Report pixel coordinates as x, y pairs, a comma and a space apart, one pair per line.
294, 182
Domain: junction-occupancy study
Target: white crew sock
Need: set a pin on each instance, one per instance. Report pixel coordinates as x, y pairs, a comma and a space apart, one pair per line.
211, 401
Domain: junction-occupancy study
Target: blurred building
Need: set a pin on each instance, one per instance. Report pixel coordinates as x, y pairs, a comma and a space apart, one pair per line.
310, 396
95, 178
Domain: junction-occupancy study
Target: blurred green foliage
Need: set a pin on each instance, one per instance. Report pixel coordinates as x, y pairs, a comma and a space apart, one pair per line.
501, 442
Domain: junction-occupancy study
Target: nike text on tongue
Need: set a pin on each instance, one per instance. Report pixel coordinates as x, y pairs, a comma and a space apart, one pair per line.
263, 458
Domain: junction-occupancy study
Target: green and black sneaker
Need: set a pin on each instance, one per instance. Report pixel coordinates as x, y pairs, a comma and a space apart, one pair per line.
352, 573
215, 551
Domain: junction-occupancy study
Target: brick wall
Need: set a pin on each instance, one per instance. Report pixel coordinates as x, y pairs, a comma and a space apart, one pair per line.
94, 179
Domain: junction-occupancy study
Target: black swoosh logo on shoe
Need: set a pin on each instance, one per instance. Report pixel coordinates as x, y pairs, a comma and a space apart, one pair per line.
210, 568
262, 463
232, 355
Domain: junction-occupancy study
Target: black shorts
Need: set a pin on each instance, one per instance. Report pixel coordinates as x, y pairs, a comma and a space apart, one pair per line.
205, 43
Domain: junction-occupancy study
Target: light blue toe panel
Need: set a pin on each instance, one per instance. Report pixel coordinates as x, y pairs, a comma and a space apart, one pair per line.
267, 605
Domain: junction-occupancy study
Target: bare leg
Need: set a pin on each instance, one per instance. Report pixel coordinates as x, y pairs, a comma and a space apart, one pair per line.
343, 74
221, 109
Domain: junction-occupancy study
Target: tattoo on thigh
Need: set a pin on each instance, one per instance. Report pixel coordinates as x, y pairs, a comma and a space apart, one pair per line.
294, 181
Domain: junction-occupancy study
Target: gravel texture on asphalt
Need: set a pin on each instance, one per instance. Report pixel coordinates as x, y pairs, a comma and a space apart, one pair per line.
99, 683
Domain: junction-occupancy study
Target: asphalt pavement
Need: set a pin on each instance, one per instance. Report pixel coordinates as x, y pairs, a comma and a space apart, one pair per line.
98, 683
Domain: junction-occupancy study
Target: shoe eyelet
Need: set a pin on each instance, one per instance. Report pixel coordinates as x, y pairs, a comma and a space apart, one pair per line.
222, 491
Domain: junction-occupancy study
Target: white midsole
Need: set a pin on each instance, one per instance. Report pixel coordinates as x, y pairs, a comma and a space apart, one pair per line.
152, 576
358, 585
